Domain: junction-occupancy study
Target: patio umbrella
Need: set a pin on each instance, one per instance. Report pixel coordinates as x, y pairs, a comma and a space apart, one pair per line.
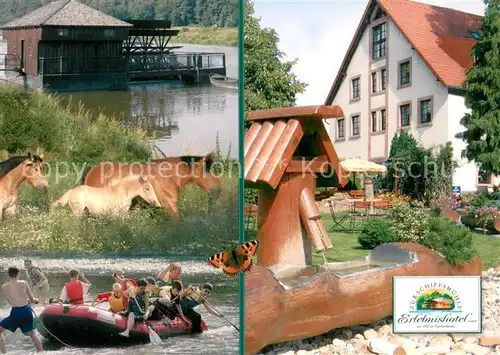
357, 165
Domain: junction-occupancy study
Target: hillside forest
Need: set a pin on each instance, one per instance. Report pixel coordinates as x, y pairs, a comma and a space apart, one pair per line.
206, 13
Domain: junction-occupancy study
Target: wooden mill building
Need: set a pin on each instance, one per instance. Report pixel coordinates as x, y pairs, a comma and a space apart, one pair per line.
72, 38
68, 46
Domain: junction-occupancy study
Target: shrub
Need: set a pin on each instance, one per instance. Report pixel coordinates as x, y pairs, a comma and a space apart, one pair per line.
395, 199
449, 239
422, 173
251, 196
449, 202
376, 232
409, 224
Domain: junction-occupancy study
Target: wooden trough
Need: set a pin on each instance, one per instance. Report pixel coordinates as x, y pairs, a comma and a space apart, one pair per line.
292, 302
288, 153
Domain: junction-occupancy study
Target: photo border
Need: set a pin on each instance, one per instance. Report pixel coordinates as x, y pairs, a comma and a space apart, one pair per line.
241, 158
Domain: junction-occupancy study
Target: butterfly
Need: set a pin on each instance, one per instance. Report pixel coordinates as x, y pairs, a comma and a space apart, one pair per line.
236, 260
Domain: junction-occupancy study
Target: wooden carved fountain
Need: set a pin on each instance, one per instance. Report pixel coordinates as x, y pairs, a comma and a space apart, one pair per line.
288, 152
284, 150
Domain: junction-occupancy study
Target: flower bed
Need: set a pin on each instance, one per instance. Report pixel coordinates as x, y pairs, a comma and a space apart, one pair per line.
482, 217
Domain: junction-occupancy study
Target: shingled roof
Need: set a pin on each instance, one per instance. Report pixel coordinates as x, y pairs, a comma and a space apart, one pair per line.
65, 13
277, 135
441, 37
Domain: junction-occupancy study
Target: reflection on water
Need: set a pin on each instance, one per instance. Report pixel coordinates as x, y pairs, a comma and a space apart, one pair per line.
221, 338
182, 117
186, 118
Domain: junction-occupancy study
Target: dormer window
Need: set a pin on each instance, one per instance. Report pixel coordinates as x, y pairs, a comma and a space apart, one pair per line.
379, 35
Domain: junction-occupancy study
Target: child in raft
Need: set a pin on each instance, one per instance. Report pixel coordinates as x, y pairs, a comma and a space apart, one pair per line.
116, 299
137, 305
18, 295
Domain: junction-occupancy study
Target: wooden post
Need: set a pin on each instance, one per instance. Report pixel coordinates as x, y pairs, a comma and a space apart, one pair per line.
282, 236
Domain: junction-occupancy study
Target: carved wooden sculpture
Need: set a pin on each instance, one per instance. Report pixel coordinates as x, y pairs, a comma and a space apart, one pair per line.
285, 150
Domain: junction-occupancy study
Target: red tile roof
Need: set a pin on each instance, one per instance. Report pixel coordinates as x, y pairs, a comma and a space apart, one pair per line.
441, 36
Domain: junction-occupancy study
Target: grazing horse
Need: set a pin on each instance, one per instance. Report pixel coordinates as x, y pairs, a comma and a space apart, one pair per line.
168, 176
13, 172
113, 199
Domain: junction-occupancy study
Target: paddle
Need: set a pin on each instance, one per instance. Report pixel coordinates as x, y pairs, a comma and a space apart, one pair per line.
154, 338
216, 311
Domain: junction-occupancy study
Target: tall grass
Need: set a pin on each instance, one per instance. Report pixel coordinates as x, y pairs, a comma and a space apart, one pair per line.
204, 227
38, 120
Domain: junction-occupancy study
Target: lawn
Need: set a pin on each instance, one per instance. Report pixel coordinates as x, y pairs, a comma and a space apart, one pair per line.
346, 246
221, 36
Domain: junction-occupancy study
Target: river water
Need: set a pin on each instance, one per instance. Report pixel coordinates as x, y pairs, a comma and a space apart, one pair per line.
221, 338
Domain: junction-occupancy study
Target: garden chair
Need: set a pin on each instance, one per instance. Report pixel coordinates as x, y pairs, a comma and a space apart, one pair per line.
338, 219
360, 212
381, 208
357, 194
250, 215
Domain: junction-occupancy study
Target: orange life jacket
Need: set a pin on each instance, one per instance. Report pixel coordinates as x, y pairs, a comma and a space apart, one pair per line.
117, 304
74, 290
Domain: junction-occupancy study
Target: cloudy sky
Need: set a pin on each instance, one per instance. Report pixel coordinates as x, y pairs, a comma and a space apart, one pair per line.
318, 33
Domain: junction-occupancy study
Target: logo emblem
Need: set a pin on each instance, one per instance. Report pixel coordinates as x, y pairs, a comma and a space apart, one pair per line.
437, 304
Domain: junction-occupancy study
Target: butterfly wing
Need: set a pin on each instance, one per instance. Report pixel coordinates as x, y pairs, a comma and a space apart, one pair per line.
245, 263
249, 248
217, 260
232, 264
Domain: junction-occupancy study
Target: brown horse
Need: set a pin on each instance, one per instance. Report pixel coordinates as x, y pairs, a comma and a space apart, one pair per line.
168, 176
113, 199
13, 172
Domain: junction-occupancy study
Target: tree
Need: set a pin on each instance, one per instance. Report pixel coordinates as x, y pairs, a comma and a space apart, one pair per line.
269, 82
180, 12
423, 173
482, 93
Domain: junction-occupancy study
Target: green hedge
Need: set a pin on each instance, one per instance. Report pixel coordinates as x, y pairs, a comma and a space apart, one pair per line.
406, 224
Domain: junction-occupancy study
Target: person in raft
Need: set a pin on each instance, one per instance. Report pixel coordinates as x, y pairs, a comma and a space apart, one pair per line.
74, 291
39, 282
116, 299
126, 283
136, 310
192, 297
164, 301
171, 273
18, 295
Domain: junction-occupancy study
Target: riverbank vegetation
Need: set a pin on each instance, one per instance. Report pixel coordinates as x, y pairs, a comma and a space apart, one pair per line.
221, 36
221, 13
74, 140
